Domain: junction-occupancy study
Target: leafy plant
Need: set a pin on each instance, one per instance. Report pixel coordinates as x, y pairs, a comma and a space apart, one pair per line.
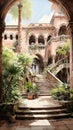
31, 87
26, 9
15, 68
12, 71
61, 92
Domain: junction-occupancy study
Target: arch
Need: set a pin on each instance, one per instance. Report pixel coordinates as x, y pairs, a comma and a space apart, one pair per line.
5, 37
38, 64
62, 30
6, 5
41, 60
41, 40
48, 38
64, 6
11, 36
32, 40
16, 36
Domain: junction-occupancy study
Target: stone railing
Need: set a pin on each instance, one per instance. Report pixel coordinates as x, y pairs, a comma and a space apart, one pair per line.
53, 80
60, 67
58, 63
61, 38
35, 47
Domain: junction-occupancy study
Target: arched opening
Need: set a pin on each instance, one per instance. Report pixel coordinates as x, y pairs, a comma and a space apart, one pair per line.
11, 37
38, 64
49, 38
16, 37
32, 40
64, 75
41, 40
62, 30
50, 60
5, 36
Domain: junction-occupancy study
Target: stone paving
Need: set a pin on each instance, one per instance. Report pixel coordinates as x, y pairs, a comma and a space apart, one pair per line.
59, 124
41, 101
65, 124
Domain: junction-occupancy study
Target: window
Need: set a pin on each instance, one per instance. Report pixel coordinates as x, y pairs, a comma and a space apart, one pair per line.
32, 40
16, 36
41, 40
5, 36
11, 36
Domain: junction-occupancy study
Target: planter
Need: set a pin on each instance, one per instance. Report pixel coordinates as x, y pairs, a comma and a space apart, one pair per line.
32, 96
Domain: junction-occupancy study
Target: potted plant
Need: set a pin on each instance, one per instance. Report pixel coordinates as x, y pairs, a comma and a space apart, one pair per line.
32, 90
11, 75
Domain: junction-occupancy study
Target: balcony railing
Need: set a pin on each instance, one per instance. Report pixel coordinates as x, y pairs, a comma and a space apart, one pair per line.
35, 47
61, 38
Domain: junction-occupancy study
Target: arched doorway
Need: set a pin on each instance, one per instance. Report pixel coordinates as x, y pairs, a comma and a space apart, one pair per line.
6, 5
38, 64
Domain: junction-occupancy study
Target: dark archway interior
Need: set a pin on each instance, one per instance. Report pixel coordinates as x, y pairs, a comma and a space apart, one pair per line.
49, 60
41, 40
63, 75
62, 30
32, 40
48, 38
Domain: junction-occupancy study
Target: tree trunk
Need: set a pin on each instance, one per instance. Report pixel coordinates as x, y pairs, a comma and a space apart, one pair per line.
19, 27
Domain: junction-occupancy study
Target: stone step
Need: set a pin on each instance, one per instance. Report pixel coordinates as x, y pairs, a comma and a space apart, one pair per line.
35, 110
44, 94
22, 107
27, 111
43, 116
44, 85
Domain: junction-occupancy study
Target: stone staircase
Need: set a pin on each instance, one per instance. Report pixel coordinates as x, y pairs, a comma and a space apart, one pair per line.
59, 65
44, 85
50, 112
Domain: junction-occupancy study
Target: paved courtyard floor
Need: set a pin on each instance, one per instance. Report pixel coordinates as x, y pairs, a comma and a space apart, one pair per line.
64, 124
59, 124
41, 101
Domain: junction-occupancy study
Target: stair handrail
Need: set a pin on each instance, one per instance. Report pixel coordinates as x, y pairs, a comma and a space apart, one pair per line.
63, 60
61, 66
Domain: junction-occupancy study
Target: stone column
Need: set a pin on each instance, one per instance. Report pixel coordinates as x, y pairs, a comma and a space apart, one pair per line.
2, 28
36, 41
70, 29
45, 40
53, 59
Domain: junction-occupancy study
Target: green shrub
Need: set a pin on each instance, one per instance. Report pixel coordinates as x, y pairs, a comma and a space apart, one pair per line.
31, 87
61, 92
